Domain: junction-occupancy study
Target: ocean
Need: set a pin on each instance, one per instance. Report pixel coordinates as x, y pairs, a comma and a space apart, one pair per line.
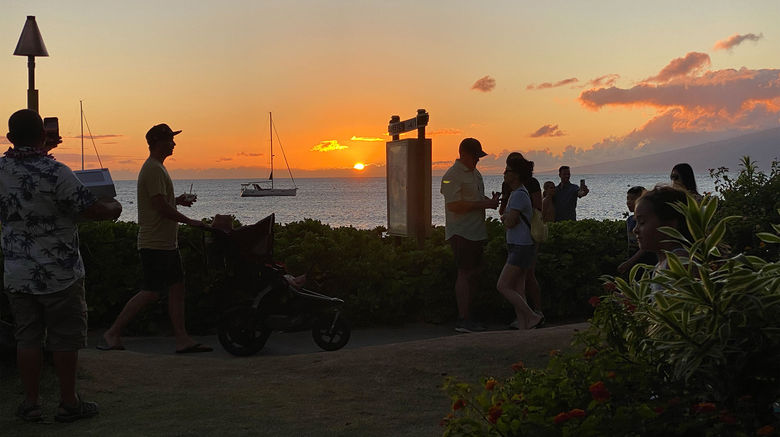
362, 202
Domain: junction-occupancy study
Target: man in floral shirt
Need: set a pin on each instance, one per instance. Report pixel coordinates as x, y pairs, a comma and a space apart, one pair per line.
40, 202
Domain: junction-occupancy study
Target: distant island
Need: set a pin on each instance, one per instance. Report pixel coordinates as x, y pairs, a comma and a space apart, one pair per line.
762, 147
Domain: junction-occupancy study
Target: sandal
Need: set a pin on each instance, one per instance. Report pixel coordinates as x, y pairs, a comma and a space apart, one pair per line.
29, 413
82, 410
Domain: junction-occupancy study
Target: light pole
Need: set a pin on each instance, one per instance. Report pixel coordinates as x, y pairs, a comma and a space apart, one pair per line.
31, 45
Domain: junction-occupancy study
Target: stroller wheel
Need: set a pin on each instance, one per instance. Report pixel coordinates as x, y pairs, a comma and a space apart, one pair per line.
241, 333
331, 331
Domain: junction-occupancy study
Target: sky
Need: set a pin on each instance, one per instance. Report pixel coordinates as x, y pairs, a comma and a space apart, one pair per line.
562, 82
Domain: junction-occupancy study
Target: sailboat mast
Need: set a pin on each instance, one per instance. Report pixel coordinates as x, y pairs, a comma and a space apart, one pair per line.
271, 131
81, 113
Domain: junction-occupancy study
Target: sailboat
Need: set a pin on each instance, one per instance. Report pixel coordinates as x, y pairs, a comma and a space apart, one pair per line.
266, 188
97, 180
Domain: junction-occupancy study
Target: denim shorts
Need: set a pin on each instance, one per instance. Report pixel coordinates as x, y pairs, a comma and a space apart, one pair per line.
161, 268
58, 319
521, 255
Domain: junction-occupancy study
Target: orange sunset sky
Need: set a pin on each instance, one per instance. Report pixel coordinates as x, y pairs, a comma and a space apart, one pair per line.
563, 82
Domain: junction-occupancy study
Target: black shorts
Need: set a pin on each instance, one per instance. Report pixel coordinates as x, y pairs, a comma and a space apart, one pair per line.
161, 268
468, 253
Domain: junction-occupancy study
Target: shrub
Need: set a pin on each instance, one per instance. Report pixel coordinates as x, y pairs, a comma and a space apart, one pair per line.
699, 357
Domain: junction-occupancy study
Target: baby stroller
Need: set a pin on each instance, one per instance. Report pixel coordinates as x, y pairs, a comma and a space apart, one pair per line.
277, 302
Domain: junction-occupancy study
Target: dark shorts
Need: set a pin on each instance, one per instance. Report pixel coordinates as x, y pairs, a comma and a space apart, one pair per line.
58, 319
161, 268
468, 253
521, 255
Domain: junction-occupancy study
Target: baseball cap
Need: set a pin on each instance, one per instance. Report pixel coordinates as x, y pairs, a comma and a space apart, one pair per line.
472, 146
159, 132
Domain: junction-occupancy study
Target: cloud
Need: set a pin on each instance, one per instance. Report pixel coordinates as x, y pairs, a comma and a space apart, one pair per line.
251, 155
223, 159
485, 84
735, 40
129, 161
4, 140
548, 130
328, 146
603, 81
690, 63
98, 137
354, 138
446, 131
723, 93
547, 85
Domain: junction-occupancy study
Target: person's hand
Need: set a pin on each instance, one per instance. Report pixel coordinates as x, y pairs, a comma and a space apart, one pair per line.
50, 143
493, 201
197, 224
186, 199
584, 191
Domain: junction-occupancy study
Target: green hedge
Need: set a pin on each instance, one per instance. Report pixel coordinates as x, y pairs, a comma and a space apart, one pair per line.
384, 280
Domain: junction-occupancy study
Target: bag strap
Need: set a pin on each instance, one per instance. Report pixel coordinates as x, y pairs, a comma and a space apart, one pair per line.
525, 220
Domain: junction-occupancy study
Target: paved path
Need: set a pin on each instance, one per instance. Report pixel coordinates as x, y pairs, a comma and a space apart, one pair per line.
297, 342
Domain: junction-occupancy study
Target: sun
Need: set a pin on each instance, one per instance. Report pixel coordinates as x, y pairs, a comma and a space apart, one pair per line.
359, 166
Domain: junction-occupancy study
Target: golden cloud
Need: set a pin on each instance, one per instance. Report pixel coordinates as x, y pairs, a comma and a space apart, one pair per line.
354, 138
328, 146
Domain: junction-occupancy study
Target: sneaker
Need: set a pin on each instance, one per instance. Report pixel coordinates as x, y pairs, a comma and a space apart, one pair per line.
82, 410
468, 326
514, 325
541, 322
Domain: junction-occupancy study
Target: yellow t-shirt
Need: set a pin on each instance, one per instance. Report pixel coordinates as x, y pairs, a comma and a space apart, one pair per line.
155, 231
460, 183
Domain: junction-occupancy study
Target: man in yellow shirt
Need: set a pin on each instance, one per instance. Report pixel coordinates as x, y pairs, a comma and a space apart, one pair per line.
465, 229
158, 222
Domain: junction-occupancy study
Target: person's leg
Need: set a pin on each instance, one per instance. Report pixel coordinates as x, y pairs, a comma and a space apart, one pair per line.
511, 277
65, 363
29, 360
464, 291
176, 305
113, 336
532, 291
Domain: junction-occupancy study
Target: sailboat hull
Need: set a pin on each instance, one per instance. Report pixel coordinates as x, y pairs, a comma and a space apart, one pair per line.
267, 192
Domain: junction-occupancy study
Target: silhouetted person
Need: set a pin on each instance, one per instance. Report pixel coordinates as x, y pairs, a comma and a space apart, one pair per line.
682, 177
40, 202
566, 195
465, 229
158, 248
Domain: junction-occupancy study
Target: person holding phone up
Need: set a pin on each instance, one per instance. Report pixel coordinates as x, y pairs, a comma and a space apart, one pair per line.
566, 195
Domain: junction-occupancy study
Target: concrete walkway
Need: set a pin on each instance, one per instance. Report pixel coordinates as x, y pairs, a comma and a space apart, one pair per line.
281, 343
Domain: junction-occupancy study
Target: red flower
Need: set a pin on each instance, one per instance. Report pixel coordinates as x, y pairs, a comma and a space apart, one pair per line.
577, 413
629, 306
727, 418
765, 430
704, 407
610, 286
599, 391
590, 352
490, 384
494, 413
561, 417
555, 352
659, 410
594, 301
611, 374
460, 403
518, 366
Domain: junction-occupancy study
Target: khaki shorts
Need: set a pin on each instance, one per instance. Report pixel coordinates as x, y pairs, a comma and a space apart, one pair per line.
56, 320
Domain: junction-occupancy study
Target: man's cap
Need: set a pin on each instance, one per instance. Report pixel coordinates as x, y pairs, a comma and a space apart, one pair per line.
472, 146
160, 132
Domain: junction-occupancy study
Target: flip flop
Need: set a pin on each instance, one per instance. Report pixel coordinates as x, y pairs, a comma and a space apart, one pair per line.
194, 349
29, 413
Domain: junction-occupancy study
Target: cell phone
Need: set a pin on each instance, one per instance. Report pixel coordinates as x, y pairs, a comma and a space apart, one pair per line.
51, 126
582, 183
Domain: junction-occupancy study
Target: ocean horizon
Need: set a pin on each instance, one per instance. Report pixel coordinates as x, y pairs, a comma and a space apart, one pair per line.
362, 202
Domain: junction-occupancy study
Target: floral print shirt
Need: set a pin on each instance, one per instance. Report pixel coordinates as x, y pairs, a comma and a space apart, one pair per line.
40, 201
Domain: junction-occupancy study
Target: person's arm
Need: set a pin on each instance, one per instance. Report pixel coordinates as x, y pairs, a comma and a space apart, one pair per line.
103, 209
462, 206
626, 265
511, 218
170, 213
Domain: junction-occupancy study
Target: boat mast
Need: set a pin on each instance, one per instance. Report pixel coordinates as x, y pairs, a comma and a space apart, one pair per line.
81, 112
271, 131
